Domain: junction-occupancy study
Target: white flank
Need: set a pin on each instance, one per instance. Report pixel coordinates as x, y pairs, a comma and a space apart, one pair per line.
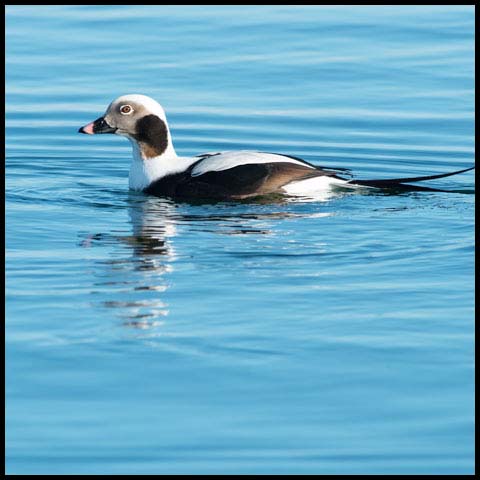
312, 186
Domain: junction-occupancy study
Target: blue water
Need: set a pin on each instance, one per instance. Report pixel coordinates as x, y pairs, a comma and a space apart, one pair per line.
147, 336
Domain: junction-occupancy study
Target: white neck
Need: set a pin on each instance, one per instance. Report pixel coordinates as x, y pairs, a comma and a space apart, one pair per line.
144, 171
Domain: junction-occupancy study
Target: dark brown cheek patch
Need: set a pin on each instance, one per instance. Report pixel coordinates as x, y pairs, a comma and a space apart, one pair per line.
151, 135
148, 151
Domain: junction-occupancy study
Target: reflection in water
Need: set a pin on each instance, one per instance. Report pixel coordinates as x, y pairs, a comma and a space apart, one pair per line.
137, 273
135, 278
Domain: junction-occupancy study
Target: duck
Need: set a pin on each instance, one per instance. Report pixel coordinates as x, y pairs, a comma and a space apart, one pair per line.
156, 169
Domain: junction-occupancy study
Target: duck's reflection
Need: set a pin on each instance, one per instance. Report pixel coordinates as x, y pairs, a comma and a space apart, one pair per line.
153, 226
135, 278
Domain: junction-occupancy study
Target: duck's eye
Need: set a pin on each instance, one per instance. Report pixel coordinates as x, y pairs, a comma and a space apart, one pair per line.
126, 109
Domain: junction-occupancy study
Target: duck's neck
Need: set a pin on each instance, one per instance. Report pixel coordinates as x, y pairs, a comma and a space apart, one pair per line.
145, 170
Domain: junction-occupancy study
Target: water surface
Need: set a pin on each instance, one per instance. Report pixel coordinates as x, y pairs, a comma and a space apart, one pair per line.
148, 336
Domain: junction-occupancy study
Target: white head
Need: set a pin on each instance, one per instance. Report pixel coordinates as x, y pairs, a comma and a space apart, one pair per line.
139, 118
142, 120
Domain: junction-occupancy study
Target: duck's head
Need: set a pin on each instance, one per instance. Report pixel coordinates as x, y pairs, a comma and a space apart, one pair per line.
139, 118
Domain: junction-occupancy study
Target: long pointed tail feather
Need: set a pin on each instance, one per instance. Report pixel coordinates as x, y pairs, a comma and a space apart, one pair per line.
401, 182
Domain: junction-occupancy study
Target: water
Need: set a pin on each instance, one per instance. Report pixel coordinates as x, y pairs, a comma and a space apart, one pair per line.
147, 336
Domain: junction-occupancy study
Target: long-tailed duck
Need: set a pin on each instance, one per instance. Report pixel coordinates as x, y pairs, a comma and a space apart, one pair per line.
156, 169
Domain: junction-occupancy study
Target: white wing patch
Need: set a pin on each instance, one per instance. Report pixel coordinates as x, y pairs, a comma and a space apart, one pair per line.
226, 160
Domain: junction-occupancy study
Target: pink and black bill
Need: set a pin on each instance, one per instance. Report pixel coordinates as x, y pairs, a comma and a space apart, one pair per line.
98, 126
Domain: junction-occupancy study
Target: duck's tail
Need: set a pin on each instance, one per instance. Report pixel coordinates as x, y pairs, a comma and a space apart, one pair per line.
402, 183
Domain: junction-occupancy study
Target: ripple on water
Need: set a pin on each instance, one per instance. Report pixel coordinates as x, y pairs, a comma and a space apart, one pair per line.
306, 335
